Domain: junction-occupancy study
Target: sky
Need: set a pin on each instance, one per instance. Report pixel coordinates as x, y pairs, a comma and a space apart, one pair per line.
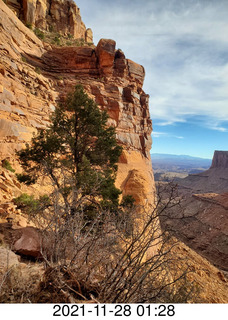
183, 45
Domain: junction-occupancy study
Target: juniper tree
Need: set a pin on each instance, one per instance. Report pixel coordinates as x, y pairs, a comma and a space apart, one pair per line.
78, 152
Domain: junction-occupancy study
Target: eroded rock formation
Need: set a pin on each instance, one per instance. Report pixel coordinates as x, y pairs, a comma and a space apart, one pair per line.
62, 16
34, 76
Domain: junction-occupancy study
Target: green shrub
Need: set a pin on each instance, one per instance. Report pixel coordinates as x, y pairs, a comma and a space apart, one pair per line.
25, 178
57, 40
31, 205
128, 201
7, 165
39, 33
23, 58
51, 28
28, 25
26, 202
37, 70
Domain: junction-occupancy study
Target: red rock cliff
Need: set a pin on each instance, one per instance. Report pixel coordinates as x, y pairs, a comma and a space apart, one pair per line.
34, 76
62, 16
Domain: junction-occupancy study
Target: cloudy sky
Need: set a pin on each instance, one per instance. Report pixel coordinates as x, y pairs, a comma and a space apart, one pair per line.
183, 45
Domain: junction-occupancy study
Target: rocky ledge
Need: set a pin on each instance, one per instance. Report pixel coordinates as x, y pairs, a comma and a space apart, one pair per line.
34, 76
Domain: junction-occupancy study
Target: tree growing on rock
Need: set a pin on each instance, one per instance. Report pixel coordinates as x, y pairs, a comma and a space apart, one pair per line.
78, 152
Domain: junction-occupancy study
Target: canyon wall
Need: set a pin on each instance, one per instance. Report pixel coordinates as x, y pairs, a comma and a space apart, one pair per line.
34, 76
61, 16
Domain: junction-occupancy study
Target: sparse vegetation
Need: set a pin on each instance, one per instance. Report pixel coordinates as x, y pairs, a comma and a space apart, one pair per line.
57, 39
28, 25
97, 263
51, 36
40, 34
29, 204
7, 165
26, 201
37, 70
23, 58
24, 178
51, 28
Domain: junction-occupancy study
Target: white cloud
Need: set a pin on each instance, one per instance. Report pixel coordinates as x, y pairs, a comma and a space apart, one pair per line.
158, 134
183, 46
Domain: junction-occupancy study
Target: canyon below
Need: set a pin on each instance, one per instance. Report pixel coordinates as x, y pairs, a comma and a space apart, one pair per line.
200, 217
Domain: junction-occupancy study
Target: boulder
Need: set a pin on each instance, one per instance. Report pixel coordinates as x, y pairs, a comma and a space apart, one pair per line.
7, 259
105, 52
29, 244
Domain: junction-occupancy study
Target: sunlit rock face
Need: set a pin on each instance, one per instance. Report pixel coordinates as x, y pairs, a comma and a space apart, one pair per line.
60, 16
34, 76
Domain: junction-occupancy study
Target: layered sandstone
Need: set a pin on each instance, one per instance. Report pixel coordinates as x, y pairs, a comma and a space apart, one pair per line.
61, 16
35, 76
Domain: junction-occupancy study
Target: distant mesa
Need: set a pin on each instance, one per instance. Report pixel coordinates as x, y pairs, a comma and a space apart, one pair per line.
183, 164
214, 179
220, 159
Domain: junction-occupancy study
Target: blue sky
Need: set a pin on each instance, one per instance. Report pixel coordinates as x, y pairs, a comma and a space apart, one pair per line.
183, 46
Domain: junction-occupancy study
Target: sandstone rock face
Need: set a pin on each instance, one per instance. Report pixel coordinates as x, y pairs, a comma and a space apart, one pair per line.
34, 77
61, 16
89, 35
